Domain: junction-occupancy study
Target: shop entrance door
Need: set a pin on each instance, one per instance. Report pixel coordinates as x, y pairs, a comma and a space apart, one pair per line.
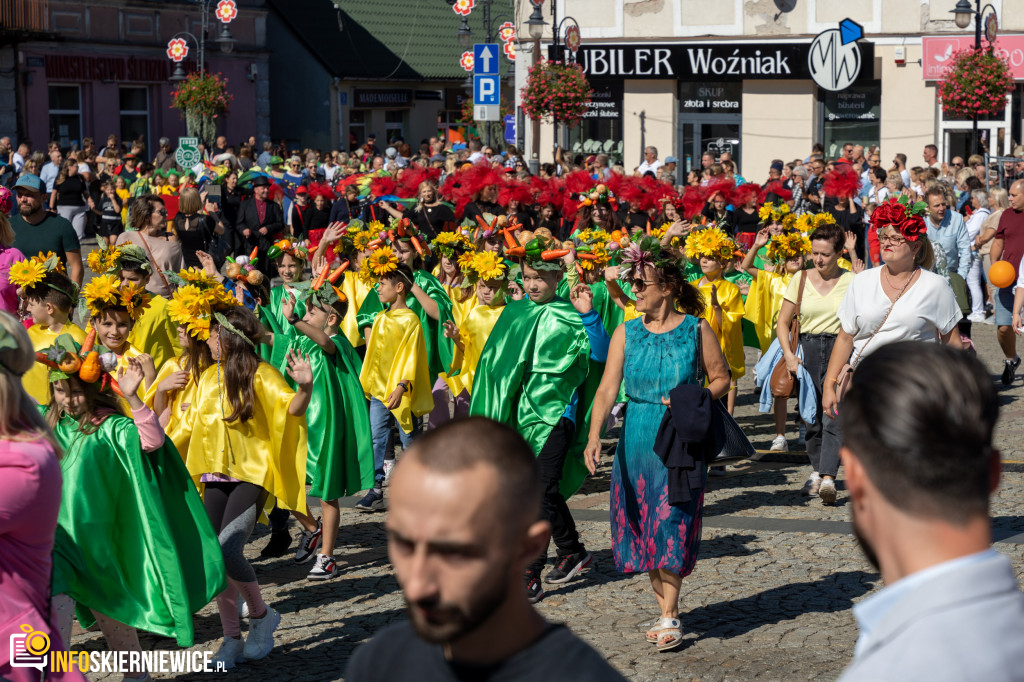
708, 133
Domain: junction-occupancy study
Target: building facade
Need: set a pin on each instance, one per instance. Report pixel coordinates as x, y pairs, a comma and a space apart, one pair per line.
690, 76
100, 68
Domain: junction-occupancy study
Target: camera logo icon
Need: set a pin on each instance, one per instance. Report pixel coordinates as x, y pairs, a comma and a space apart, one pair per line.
29, 648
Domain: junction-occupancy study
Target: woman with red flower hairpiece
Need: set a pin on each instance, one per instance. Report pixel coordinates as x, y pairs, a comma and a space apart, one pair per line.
901, 300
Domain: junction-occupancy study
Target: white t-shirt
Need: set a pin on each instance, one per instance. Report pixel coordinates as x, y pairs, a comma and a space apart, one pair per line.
926, 310
652, 167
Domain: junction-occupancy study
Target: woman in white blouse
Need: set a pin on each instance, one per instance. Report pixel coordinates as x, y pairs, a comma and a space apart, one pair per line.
898, 301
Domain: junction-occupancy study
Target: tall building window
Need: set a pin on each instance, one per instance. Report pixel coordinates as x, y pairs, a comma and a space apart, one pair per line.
135, 116
66, 114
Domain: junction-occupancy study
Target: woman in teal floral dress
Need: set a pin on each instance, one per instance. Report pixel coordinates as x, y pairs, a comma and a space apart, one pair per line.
654, 354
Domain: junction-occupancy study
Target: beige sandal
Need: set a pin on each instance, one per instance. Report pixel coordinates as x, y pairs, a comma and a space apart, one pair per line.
671, 635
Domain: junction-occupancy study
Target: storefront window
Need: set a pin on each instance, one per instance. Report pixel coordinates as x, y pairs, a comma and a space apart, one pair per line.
135, 115
356, 128
65, 114
394, 125
710, 117
851, 116
600, 132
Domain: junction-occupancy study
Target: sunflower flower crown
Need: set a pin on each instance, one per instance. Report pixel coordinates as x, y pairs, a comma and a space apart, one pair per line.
592, 249
381, 261
484, 265
773, 213
111, 260
28, 273
359, 238
809, 222
196, 300
452, 244
711, 242
788, 245
106, 291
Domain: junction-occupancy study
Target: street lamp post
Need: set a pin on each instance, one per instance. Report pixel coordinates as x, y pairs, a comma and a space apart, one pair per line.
535, 29
226, 12
962, 14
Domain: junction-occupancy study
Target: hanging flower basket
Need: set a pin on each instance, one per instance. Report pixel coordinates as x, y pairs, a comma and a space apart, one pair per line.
556, 91
202, 98
976, 84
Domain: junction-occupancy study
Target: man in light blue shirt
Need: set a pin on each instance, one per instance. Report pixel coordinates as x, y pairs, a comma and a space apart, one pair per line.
948, 231
919, 477
48, 173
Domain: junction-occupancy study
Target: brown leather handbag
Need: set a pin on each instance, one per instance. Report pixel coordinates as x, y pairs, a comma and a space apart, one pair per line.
783, 382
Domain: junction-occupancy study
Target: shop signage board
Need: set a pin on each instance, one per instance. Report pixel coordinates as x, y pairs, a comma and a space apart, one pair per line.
382, 98
187, 154
937, 53
835, 60
706, 61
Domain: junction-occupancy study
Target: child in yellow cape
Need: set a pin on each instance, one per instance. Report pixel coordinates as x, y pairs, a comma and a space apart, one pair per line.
786, 254
724, 311
350, 242
244, 438
455, 250
395, 375
153, 333
490, 273
114, 308
47, 296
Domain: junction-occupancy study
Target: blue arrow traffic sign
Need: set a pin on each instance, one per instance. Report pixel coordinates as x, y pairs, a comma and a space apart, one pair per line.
485, 90
485, 59
850, 31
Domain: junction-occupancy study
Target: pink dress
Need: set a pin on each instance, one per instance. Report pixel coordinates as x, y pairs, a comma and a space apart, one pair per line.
8, 292
30, 487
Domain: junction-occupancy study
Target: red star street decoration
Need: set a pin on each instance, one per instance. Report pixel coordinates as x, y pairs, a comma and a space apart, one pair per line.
227, 10
177, 50
466, 60
463, 7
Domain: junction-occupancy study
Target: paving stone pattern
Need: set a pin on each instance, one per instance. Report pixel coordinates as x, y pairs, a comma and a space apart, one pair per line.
770, 597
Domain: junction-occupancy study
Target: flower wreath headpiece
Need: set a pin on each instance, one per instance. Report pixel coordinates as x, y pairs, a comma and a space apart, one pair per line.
788, 245
196, 299
106, 291
29, 273
809, 222
592, 248
773, 212
452, 244
643, 254
111, 260
483, 265
901, 215
711, 242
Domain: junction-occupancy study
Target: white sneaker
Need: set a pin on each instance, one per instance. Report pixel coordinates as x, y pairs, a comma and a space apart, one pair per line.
260, 641
827, 491
779, 444
976, 317
389, 465
324, 568
229, 653
243, 607
811, 486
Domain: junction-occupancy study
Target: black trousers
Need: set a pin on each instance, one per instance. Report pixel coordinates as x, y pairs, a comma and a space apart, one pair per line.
817, 350
551, 460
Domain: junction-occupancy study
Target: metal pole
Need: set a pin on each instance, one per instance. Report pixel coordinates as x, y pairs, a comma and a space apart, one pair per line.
535, 123
977, 46
202, 36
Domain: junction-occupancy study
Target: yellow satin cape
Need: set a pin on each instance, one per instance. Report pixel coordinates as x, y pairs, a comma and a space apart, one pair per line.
268, 450
175, 399
475, 329
731, 338
355, 289
37, 380
460, 311
155, 333
397, 351
764, 301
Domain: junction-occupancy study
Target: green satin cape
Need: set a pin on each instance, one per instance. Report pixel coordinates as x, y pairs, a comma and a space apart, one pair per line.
273, 321
340, 459
440, 349
133, 539
535, 359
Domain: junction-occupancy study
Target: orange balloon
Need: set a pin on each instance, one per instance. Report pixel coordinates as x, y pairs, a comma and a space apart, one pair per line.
1002, 274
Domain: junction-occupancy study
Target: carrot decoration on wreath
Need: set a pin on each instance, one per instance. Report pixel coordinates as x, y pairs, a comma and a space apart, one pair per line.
91, 368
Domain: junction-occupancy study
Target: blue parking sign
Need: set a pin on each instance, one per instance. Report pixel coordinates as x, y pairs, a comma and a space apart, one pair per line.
485, 90
485, 59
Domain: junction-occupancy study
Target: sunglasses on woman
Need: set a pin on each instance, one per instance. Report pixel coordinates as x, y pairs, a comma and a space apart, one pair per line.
640, 284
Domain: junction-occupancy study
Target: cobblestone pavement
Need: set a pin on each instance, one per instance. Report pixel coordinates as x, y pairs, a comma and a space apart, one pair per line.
770, 597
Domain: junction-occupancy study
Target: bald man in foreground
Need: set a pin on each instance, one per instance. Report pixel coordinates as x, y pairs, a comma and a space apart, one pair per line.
462, 526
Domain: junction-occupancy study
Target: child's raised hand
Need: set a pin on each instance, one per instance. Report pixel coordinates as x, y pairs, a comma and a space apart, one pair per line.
319, 262
452, 331
582, 299
611, 273
762, 238
130, 378
515, 291
206, 260
851, 241
333, 232
299, 368
288, 305
174, 382
714, 297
